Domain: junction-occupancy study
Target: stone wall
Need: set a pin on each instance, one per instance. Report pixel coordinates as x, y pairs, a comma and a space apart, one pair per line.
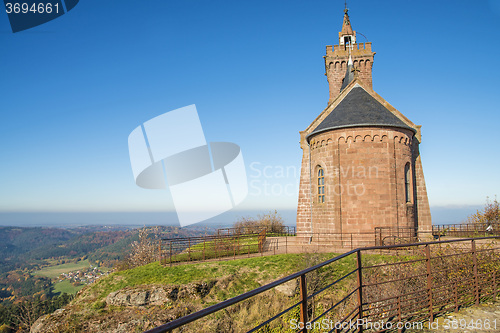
365, 182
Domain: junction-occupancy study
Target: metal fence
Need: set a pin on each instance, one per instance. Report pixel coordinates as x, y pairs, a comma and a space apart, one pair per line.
393, 236
467, 230
415, 283
228, 244
225, 244
233, 243
278, 230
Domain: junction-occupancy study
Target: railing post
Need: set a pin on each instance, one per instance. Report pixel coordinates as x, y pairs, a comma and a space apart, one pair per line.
399, 313
170, 254
204, 242
303, 302
215, 246
429, 280
189, 248
259, 241
360, 287
495, 291
474, 262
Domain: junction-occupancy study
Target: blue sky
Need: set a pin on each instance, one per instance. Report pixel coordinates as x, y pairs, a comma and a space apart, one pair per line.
74, 88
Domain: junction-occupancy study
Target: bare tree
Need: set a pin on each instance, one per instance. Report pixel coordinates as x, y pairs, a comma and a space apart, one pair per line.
145, 250
28, 312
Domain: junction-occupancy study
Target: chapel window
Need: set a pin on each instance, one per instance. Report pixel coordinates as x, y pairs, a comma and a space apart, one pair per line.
321, 185
407, 182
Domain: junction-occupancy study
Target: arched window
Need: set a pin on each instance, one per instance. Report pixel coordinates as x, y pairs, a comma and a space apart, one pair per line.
321, 185
407, 182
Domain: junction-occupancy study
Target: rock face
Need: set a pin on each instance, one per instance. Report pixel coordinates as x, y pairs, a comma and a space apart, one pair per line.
170, 302
134, 297
41, 325
158, 295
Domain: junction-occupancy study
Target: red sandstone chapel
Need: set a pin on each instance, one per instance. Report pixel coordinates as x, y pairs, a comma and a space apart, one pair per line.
361, 166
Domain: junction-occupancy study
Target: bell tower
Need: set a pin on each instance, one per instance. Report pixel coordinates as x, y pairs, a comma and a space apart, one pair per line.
337, 58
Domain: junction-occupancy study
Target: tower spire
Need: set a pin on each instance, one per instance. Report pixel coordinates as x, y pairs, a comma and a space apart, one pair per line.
348, 60
347, 36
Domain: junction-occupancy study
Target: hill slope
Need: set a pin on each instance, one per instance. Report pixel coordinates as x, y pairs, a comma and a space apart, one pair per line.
148, 296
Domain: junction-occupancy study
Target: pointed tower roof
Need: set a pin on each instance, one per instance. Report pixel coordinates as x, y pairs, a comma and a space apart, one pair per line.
346, 25
347, 36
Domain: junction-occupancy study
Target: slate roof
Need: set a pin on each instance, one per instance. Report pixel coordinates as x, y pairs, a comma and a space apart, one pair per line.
359, 109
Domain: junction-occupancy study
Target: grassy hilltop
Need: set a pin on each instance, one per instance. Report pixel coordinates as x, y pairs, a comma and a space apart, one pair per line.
195, 286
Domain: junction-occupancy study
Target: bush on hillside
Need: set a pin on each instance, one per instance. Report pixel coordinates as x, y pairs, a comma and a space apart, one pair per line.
272, 222
490, 214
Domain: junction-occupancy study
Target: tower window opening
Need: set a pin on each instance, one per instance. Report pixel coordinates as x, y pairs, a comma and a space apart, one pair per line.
407, 182
347, 42
321, 185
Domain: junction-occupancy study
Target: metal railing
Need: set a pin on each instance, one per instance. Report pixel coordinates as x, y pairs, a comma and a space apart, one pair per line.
226, 244
279, 230
467, 230
416, 283
233, 243
393, 236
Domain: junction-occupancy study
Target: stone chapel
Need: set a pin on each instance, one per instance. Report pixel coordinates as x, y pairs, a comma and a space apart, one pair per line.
361, 166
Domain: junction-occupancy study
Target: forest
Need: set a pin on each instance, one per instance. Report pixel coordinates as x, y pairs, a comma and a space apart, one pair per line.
25, 294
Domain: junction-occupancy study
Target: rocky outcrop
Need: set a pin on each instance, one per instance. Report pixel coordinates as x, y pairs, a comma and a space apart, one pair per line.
158, 295
138, 308
163, 302
44, 322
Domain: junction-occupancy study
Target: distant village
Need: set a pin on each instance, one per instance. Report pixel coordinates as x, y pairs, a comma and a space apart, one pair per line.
84, 276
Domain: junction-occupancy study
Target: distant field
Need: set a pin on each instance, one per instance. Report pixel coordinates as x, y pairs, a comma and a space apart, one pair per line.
66, 287
55, 271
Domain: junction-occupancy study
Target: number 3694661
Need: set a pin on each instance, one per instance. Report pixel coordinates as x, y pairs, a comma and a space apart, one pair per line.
36, 8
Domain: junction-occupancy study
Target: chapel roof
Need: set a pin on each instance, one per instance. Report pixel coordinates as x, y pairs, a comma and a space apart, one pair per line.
359, 109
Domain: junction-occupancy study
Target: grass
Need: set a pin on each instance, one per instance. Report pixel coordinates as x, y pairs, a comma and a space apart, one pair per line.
54, 271
245, 274
66, 287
